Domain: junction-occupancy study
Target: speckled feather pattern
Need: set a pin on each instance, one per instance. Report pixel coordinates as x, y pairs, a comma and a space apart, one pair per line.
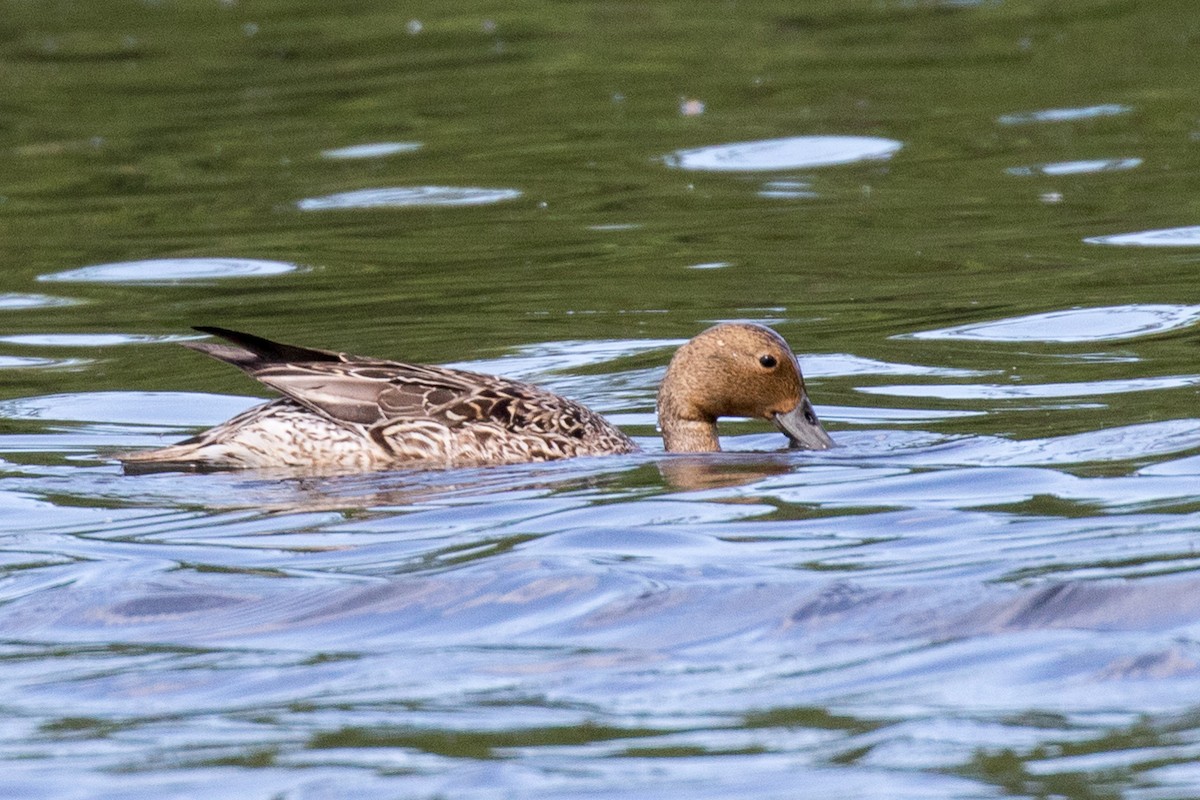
347, 412
343, 412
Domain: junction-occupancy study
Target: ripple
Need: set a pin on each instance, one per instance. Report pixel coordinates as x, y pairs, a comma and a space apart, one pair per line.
408, 197
90, 339
171, 270
787, 190
29, 362
20, 302
180, 409
861, 415
1124, 443
1163, 237
794, 152
372, 150
1034, 391
829, 365
616, 226
1065, 114
1074, 325
1077, 167
1182, 466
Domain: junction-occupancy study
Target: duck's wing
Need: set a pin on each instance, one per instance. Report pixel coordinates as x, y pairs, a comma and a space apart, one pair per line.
369, 391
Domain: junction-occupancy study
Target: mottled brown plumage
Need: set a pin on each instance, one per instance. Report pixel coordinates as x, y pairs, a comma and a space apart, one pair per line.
345, 412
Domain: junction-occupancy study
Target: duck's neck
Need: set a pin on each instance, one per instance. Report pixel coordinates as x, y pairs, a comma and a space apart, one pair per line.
689, 436
684, 429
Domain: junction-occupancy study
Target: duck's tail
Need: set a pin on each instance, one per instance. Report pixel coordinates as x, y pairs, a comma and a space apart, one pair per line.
252, 353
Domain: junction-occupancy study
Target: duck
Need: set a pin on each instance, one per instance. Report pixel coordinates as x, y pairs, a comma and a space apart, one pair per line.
345, 412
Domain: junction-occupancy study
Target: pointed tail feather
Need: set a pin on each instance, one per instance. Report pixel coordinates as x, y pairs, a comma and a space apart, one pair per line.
257, 349
230, 355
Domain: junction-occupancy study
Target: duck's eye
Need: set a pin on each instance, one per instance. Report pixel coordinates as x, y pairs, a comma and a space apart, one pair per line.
768, 361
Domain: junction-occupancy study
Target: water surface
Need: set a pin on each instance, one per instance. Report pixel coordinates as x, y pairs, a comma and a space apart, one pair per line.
973, 221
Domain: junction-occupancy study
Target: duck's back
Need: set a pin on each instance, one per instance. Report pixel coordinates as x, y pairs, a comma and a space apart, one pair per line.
346, 412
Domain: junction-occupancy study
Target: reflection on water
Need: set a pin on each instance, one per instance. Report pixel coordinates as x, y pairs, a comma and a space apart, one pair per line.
89, 339
787, 190
405, 197
845, 364
171, 270
33, 362
687, 473
1076, 325
1078, 167
140, 408
795, 152
373, 150
19, 302
989, 588
1065, 114
1167, 237
981, 391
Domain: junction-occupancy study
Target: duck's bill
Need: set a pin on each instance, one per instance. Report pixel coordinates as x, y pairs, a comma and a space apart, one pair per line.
803, 428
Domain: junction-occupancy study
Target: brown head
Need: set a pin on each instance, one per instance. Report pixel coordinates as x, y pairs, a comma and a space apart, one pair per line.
735, 370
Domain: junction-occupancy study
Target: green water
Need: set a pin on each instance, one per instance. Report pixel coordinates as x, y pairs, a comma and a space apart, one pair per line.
179, 129
182, 129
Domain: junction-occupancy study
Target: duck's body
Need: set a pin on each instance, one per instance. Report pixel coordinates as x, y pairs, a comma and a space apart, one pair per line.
346, 412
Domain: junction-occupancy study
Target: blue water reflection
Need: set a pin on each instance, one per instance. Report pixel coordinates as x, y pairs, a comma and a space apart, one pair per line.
408, 197
1166, 237
1065, 114
794, 152
86, 340
1075, 325
171, 270
1082, 389
1078, 167
36, 362
21, 302
372, 150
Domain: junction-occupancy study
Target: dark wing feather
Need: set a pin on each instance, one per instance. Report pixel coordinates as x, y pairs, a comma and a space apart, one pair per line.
373, 392
365, 393
369, 391
263, 350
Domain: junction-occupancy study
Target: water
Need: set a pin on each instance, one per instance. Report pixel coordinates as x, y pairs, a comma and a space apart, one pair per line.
973, 220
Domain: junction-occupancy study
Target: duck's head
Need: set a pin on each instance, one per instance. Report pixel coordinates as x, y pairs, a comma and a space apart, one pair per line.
735, 370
